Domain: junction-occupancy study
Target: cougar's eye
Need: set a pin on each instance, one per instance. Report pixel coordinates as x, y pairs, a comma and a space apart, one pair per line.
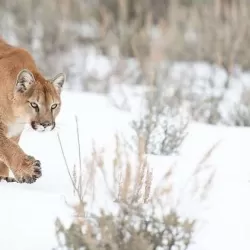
53, 106
33, 105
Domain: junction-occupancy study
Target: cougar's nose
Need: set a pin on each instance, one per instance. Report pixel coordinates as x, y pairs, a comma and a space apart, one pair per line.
45, 124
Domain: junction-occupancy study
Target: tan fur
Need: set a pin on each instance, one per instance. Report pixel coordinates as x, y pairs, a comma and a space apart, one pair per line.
26, 97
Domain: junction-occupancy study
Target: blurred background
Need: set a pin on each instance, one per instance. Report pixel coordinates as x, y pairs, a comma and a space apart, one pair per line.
91, 40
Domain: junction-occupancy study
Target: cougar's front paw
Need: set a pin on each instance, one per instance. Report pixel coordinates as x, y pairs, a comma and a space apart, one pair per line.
29, 171
7, 179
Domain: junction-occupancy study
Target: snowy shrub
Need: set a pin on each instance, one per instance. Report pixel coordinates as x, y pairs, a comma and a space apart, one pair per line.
160, 122
133, 229
142, 215
163, 131
140, 221
158, 116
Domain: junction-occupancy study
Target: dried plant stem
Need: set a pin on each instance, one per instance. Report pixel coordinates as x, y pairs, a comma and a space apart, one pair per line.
68, 170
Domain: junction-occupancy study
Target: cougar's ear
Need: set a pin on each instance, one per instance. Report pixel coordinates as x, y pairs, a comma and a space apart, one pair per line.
24, 80
58, 81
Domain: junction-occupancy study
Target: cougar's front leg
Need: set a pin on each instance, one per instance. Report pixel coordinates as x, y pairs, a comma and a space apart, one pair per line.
24, 167
4, 173
4, 170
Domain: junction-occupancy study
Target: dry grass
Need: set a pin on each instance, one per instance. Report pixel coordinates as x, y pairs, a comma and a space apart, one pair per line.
171, 29
204, 30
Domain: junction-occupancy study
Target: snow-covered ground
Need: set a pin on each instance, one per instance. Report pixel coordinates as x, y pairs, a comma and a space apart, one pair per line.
28, 212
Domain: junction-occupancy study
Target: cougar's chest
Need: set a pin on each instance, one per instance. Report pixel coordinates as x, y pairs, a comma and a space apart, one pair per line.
15, 128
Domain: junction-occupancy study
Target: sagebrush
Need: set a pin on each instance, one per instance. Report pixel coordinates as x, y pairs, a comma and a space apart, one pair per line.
144, 215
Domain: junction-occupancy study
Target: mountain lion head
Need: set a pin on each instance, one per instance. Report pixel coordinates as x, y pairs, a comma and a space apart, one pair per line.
37, 100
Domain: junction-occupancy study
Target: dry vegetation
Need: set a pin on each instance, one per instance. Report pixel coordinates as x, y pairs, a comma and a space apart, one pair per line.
160, 123
144, 215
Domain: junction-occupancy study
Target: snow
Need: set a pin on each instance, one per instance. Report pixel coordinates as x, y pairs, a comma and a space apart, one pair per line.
27, 217
226, 216
28, 212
